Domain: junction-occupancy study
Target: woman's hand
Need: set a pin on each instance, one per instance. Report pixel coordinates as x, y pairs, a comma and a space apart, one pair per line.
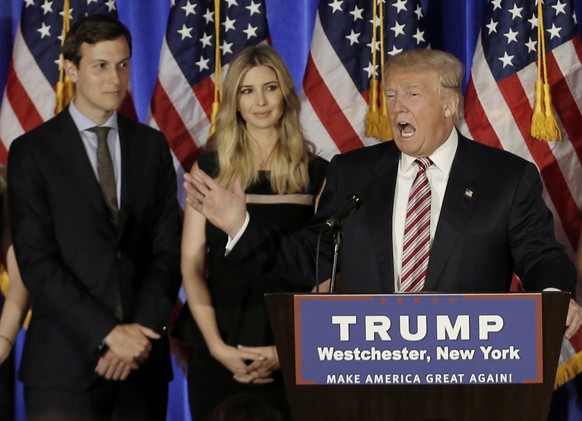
239, 361
262, 369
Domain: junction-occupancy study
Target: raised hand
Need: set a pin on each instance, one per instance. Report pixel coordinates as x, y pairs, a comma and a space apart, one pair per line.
225, 208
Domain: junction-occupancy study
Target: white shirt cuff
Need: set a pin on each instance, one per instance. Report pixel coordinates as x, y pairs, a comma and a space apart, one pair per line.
232, 241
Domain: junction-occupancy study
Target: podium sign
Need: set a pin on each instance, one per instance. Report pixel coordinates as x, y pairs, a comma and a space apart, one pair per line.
417, 339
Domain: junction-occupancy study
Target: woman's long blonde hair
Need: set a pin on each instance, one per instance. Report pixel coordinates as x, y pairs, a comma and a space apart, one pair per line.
289, 159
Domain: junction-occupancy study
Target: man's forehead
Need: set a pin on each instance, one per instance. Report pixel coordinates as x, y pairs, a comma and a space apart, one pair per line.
411, 77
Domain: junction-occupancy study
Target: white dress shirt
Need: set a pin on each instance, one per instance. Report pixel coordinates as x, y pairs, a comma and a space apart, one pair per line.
438, 176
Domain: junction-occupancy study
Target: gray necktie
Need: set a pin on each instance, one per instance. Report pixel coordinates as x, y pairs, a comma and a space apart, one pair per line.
105, 172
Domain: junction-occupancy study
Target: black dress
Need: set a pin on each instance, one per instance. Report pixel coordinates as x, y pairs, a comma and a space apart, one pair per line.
238, 296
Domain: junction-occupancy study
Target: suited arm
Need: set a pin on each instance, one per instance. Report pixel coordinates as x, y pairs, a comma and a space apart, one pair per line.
54, 289
540, 261
158, 291
292, 257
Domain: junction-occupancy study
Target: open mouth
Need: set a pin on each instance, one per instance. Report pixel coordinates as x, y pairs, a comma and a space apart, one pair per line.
406, 130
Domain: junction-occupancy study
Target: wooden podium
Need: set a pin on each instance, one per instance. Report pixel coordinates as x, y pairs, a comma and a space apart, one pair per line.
419, 402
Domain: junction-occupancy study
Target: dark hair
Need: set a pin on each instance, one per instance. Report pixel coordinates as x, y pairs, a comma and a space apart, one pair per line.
92, 29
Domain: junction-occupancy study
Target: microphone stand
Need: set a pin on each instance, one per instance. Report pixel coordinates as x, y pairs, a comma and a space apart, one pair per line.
337, 241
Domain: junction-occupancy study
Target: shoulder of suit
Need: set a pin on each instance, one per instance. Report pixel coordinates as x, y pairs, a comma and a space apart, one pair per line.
46, 131
369, 154
130, 124
136, 132
485, 152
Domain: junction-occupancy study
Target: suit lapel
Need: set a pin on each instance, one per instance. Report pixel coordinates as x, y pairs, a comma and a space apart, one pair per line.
461, 197
74, 156
379, 214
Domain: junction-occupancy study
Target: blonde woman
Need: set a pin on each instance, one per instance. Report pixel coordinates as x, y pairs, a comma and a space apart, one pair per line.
258, 144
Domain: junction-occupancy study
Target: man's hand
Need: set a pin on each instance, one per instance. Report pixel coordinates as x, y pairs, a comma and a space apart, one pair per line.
322, 287
573, 319
226, 209
112, 367
131, 343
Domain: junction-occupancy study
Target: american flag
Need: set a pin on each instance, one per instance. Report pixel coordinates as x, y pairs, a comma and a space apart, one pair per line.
336, 85
500, 92
181, 105
29, 97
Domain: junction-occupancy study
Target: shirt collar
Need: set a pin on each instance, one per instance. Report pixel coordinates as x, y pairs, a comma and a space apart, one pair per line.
442, 157
83, 122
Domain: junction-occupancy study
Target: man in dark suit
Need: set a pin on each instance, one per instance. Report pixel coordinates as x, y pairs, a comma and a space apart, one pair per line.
484, 218
96, 230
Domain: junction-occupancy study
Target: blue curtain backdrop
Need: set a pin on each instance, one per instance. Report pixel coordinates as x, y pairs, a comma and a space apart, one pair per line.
454, 27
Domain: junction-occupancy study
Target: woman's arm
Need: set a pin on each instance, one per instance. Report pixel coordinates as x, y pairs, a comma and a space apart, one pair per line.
192, 264
15, 307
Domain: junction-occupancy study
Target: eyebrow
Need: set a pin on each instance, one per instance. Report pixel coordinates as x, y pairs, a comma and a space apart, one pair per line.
264, 84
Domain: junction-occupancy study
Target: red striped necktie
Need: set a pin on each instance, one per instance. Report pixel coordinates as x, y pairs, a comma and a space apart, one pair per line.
416, 245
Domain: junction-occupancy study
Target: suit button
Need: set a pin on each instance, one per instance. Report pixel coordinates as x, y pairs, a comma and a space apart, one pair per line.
118, 254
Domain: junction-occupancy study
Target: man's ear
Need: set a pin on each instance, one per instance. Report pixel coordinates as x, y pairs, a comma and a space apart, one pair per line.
451, 104
71, 70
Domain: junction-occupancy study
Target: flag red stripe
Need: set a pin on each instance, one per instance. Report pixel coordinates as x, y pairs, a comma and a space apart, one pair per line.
24, 108
171, 123
127, 107
204, 91
476, 118
565, 105
513, 92
328, 111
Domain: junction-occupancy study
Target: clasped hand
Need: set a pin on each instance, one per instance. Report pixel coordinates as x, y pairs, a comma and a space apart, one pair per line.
249, 365
129, 346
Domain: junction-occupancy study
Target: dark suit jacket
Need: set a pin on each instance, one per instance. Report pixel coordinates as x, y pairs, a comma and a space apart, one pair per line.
72, 258
493, 222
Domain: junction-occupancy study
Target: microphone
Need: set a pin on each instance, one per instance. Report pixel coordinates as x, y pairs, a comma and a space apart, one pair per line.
353, 203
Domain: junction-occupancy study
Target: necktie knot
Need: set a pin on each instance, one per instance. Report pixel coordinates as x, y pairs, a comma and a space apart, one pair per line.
423, 163
101, 132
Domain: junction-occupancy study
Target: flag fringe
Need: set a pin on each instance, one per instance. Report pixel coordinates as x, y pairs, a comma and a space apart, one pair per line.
552, 129
568, 370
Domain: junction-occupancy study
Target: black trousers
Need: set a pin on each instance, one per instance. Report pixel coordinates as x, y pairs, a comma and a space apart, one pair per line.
211, 385
136, 398
7, 389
